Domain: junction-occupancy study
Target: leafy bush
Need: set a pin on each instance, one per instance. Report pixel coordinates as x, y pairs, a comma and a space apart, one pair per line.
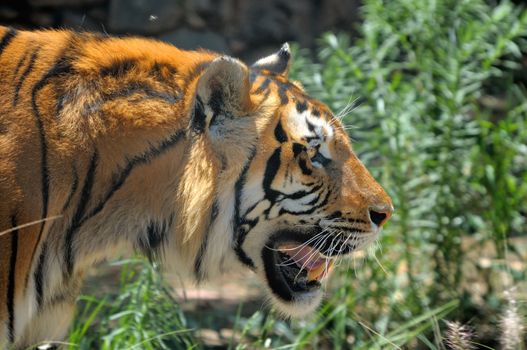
431, 95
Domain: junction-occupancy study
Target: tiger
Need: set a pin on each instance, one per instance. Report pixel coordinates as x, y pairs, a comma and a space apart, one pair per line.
203, 164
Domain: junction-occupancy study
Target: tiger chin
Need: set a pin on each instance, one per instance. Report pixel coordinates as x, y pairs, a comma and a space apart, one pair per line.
196, 160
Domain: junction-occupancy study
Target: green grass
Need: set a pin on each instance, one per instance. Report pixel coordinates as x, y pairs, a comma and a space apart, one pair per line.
440, 119
142, 315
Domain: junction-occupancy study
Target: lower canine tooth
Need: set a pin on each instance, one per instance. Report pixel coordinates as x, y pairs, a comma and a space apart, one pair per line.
319, 272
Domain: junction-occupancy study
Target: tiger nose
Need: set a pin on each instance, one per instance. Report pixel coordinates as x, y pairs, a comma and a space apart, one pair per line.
380, 214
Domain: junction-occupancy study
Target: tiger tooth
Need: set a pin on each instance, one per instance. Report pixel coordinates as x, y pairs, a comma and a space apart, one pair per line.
313, 274
319, 272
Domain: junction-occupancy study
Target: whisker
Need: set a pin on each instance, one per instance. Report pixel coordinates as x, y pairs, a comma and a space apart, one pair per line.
315, 251
350, 106
380, 265
330, 251
342, 246
291, 259
49, 218
298, 246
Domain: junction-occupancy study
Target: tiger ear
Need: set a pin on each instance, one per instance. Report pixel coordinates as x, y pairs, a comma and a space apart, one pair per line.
223, 89
277, 63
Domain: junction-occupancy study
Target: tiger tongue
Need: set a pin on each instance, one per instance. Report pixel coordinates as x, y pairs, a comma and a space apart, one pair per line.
309, 259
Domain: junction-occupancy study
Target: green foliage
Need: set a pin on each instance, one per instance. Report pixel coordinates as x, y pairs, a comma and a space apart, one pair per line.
142, 316
441, 122
455, 165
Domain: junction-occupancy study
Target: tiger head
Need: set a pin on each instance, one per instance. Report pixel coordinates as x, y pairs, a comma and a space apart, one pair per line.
290, 195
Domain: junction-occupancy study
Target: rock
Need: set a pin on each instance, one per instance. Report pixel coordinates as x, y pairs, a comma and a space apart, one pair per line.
192, 39
143, 16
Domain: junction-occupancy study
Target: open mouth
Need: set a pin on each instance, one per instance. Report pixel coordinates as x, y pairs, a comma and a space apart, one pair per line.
295, 269
302, 267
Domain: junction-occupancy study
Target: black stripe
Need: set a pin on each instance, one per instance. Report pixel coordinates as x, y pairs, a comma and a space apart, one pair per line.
302, 193
238, 231
282, 88
62, 95
310, 126
198, 261
265, 96
119, 68
325, 199
126, 91
251, 208
140, 87
62, 66
163, 73
118, 181
155, 237
298, 148
336, 215
314, 200
24, 75
263, 87
242, 255
238, 187
159, 71
301, 106
216, 101
79, 213
319, 158
20, 63
271, 169
74, 186
198, 119
11, 282
310, 210
302, 163
279, 132
145, 158
38, 276
6, 39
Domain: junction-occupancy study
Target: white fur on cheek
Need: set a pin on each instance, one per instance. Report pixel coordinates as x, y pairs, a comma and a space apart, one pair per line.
321, 133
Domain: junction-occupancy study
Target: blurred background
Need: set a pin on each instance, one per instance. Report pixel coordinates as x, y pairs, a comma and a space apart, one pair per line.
433, 95
243, 28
